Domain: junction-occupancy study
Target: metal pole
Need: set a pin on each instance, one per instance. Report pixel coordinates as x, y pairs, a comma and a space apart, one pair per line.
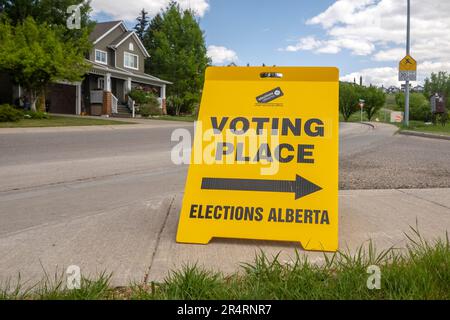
408, 25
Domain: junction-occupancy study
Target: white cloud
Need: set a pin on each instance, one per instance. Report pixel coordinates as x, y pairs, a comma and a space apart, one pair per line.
221, 55
388, 76
128, 10
332, 46
377, 28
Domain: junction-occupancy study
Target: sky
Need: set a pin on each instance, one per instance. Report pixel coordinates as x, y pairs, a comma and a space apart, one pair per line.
361, 37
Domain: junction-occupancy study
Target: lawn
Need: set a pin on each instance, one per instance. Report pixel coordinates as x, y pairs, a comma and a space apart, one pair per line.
422, 271
176, 118
420, 126
382, 115
59, 121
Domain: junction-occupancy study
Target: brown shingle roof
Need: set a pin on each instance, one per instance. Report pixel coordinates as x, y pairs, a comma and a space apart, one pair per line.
101, 28
122, 36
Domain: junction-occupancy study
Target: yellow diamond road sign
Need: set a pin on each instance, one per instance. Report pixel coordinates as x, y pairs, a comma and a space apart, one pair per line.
408, 64
407, 69
264, 162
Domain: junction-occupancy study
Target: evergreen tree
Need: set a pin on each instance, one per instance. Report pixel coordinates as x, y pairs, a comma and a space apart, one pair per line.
142, 24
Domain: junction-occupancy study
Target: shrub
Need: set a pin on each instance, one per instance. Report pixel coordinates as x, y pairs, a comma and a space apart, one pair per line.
147, 110
151, 107
139, 96
419, 106
37, 115
442, 119
10, 114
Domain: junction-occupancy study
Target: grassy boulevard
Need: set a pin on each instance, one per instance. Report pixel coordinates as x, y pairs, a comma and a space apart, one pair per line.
422, 271
422, 127
60, 121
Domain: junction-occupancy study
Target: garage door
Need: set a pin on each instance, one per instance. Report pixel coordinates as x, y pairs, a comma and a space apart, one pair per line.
61, 98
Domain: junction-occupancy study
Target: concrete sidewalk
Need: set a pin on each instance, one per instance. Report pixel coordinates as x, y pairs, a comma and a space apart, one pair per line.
136, 242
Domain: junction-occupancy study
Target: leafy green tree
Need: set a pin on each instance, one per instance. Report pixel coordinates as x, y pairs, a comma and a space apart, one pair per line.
34, 55
178, 53
438, 83
419, 106
348, 99
52, 12
374, 99
143, 22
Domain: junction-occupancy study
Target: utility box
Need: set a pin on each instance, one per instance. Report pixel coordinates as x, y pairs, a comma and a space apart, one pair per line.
437, 102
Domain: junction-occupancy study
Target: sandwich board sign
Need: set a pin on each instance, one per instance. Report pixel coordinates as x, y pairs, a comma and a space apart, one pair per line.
407, 69
264, 162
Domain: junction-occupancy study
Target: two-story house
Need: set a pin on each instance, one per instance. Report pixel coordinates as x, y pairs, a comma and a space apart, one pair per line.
117, 59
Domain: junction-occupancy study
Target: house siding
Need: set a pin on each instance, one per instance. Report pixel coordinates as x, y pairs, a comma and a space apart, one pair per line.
104, 43
124, 47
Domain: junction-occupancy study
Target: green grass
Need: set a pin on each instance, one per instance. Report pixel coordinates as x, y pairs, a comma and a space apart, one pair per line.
422, 271
381, 115
420, 126
176, 118
59, 121
390, 102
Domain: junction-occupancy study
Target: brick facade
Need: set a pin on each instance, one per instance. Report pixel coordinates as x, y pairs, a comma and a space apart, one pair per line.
107, 103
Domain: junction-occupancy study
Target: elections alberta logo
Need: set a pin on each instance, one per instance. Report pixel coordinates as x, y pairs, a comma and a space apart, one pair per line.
270, 95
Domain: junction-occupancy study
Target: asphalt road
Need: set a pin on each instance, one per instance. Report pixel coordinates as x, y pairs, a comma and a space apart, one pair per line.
78, 196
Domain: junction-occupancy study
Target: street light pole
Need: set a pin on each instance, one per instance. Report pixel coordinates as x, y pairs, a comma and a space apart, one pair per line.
408, 25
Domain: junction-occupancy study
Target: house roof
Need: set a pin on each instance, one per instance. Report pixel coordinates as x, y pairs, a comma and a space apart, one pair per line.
121, 38
124, 74
101, 28
117, 42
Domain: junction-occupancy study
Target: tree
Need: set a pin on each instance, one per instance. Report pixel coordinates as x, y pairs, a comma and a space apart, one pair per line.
178, 53
419, 106
34, 55
374, 99
142, 24
438, 83
348, 99
53, 13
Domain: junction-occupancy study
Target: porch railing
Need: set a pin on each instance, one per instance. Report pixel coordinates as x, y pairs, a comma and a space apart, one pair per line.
114, 103
131, 106
97, 96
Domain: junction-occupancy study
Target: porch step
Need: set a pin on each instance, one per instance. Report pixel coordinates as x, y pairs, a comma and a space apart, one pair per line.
123, 109
121, 115
122, 112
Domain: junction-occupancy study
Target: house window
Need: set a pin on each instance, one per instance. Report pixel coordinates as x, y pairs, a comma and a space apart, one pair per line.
131, 61
101, 83
131, 46
101, 57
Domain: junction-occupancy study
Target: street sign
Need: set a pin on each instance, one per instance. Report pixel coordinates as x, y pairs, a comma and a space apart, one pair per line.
264, 164
407, 69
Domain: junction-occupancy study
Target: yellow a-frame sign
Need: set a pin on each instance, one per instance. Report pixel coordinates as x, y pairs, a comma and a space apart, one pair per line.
265, 158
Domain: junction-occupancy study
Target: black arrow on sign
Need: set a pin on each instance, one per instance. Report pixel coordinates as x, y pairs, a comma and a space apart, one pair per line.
300, 186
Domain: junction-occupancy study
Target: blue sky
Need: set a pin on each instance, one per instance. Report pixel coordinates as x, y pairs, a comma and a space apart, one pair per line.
360, 37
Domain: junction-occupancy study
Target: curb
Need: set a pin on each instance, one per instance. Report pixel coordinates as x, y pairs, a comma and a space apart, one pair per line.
424, 135
368, 124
